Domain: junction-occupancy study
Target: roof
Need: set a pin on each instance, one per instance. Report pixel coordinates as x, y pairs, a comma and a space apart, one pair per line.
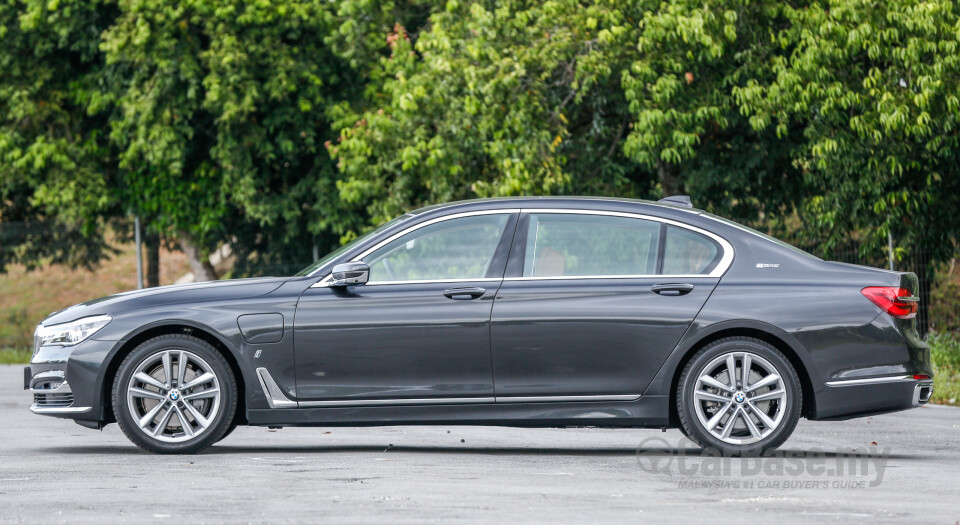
539, 201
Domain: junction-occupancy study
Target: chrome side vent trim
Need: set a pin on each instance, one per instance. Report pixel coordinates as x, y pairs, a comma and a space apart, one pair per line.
275, 396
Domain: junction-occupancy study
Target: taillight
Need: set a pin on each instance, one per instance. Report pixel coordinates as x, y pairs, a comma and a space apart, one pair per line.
921, 377
898, 302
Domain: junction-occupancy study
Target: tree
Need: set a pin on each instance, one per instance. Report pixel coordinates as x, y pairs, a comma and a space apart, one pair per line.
561, 98
55, 164
873, 90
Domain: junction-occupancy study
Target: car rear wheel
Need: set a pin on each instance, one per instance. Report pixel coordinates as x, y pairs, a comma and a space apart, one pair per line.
740, 396
174, 394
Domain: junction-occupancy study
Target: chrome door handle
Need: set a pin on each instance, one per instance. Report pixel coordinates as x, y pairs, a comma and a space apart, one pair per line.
672, 288
466, 293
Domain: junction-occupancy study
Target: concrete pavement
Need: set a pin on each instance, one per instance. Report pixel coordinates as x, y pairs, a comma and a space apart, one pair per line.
906, 468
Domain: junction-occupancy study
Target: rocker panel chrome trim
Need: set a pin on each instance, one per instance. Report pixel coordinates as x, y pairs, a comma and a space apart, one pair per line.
561, 399
870, 381
277, 399
398, 402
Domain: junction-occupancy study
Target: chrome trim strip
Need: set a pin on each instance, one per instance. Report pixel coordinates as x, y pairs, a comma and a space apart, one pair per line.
323, 284
725, 260
398, 402
560, 399
58, 410
277, 399
907, 299
275, 396
49, 373
63, 388
870, 381
584, 277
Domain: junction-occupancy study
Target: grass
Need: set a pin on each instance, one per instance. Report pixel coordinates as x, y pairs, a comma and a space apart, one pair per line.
945, 354
15, 356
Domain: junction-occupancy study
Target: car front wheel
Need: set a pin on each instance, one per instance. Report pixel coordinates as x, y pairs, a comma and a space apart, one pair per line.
740, 396
174, 394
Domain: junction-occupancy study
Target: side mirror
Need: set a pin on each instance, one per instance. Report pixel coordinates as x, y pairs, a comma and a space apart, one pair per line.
349, 273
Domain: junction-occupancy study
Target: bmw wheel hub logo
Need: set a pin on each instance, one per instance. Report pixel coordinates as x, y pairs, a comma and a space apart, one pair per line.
174, 395
739, 398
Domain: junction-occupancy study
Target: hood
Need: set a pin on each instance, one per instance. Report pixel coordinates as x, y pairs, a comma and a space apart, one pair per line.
179, 293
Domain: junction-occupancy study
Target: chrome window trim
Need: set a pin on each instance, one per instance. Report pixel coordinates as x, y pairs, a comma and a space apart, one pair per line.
323, 282
726, 260
870, 381
428, 281
609, 277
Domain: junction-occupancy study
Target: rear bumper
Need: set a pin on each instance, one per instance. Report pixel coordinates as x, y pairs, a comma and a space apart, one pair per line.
877, 395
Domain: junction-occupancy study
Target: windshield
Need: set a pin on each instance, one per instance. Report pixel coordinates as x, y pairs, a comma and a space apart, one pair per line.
339, 251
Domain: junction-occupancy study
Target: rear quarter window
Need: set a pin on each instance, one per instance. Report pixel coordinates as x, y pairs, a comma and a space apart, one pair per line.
689, 253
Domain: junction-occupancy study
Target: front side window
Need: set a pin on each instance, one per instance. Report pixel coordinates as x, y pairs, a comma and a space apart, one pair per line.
460, 248
689, 253
561, 244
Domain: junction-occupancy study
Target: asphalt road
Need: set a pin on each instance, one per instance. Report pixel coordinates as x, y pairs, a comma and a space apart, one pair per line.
54, 471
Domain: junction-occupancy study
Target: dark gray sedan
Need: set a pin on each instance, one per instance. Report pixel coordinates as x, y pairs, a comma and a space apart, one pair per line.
534, 312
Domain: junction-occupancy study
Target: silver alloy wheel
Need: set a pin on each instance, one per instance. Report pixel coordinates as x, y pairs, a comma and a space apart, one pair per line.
174, 396
740, 398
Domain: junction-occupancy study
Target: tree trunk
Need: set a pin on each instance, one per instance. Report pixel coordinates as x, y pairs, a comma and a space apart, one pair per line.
667, 176
152, 241
199, 265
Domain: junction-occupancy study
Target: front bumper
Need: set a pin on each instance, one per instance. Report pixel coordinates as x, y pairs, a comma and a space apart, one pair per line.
876, 395
51, 393
67, 382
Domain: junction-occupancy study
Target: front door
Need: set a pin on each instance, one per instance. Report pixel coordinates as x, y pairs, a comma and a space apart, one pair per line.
419, 330
593, 304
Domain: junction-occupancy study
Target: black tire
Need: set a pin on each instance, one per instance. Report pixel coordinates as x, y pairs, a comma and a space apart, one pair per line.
230, 429
790, 405
219, 425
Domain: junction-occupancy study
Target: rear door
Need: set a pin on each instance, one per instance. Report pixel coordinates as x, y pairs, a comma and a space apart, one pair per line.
593, 302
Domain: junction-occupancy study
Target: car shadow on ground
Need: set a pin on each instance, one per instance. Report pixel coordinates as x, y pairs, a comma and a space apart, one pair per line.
690, 452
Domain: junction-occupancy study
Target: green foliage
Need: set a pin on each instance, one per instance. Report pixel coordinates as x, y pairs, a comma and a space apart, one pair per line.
945, 305
15, 356
52, 151
280, 126
516, 99
945, 354
873, 89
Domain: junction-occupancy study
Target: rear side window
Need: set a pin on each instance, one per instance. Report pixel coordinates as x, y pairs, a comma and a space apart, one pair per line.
689, 253
560, 244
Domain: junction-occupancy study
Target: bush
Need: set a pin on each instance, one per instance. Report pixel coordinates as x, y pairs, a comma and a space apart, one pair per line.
944, 312
945, 354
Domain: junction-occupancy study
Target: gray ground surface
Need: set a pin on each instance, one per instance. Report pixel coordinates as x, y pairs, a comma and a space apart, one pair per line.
54, 471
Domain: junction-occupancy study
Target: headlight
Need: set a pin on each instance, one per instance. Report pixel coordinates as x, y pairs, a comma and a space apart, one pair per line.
68, 334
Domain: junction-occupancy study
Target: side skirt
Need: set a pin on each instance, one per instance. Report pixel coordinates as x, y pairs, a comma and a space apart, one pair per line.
646, 412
